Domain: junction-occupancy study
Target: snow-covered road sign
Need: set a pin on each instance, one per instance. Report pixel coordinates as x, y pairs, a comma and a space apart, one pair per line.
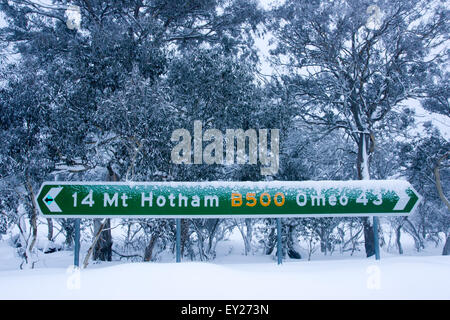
227, 199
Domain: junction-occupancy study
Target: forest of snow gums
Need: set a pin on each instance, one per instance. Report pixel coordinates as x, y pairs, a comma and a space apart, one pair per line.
93, 90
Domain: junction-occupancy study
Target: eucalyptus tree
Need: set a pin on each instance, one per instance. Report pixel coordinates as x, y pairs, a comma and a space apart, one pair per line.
99, 85
219, 90
421, 158
438, 101
308, 154
352, 65
26, 145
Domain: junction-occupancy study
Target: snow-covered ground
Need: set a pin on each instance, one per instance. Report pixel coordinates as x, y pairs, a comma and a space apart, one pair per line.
231, 276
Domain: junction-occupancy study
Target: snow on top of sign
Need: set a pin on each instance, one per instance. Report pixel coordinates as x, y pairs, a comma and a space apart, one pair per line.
314, 184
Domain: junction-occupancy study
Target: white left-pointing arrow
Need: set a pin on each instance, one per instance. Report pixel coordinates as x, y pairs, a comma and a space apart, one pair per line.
403, 201
49, 199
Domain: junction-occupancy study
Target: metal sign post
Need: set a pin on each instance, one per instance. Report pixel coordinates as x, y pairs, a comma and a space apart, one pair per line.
375, 238
279, 242
178, 240
76, 255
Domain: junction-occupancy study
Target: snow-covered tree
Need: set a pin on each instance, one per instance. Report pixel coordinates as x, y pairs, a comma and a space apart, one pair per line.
348, 70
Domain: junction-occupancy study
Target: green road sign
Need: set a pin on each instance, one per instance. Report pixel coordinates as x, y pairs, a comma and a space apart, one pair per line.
227, 199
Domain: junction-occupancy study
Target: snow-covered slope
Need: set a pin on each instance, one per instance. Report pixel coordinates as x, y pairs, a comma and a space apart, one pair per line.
236, 277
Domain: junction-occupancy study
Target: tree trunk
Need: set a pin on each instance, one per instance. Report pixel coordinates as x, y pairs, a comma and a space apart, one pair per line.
94, 242
397, 235
246, 234
323, 240
212, 228
369, 243
271, 241
446, 250
30, 252
184, 234
292, 253
68, 226
149, 249
437, 176
103, 247
50, 229
200, 240
249, 231
364, 174
415, 234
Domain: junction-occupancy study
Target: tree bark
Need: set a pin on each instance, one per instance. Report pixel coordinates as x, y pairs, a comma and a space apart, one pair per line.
438, 180
149, 249
246, 235
397, 239
362, 163
249, 232
363, 174
446, 250
103, 247
292, 253
271, 241
50, 229
33, 223
369, 243
415, 234
184, 234
212, 228
94, 242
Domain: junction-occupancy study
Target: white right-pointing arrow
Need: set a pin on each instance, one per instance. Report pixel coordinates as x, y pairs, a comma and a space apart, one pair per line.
49, 199
403, 201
